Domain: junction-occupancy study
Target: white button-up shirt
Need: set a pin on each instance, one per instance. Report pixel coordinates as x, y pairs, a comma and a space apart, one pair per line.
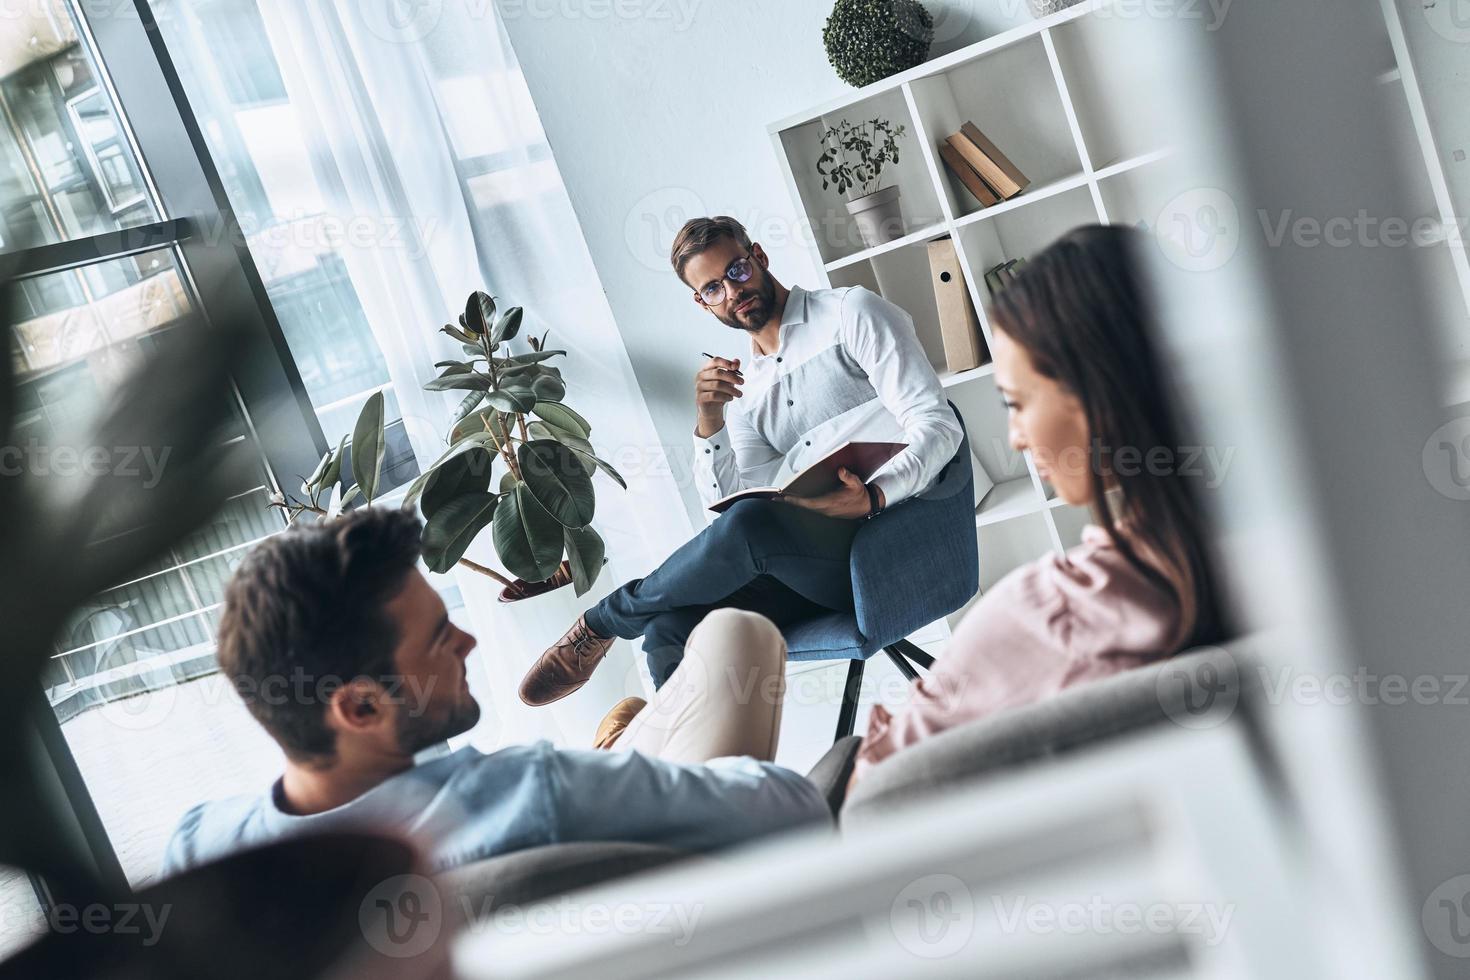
848, 367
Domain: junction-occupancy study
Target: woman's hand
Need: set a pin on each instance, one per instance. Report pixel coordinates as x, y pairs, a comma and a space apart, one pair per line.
849, 503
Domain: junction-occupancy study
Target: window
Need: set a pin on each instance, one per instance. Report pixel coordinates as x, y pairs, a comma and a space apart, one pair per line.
132, 680
260, 141
133, 683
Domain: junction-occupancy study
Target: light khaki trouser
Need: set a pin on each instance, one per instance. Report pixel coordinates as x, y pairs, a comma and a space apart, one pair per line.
723, 700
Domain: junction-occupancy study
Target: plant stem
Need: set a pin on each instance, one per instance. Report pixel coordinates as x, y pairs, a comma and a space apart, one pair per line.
486, 571
503, 448
515, 466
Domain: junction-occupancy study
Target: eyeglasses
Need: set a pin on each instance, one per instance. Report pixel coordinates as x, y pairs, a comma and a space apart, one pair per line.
739, 272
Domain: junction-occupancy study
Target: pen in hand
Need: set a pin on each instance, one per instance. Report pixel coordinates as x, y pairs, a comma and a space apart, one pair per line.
714, 358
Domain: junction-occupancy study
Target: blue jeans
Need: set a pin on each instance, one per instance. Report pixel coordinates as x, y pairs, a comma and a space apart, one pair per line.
785, 562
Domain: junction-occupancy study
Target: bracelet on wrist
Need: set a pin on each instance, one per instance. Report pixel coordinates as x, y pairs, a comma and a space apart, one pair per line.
875, 507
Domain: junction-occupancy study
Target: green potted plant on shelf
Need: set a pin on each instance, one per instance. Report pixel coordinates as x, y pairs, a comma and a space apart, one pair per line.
868, 40
854, 158
513, 419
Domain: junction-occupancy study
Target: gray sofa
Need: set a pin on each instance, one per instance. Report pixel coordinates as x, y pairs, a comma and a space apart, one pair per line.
1194, 688
540, 873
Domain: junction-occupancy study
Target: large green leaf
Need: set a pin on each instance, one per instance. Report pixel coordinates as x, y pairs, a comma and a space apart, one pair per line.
563, 418
586, 552
584, 449
472, 423
545, 430
602, 464
457, 333
473, 441
561, 485
507, 326
467, 473
528, 540
334, 470
536, 357
523, 376
514, 399
470, 403
447, 535
479, 313
459, 382
369, 447
549, 388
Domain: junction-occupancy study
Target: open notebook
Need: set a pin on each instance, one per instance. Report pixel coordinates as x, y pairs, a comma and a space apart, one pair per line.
862, 458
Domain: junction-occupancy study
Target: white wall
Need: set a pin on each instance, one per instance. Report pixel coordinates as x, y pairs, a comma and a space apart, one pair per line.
657, 112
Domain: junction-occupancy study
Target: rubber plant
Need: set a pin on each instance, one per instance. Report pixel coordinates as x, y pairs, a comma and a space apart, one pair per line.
512, 420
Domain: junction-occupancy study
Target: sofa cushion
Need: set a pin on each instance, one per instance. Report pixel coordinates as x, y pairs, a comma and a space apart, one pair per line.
1196, 688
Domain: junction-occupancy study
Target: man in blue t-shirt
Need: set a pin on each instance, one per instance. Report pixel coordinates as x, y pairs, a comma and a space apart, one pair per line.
341, 649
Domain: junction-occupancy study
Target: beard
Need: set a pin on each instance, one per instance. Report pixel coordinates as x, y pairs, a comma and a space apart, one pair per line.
753, 319
417, 731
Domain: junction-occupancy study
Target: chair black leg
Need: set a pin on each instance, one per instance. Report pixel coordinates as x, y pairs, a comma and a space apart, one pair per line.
847, 716
914, 653
904, 667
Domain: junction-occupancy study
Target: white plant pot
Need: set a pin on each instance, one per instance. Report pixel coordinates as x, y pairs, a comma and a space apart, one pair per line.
879, 216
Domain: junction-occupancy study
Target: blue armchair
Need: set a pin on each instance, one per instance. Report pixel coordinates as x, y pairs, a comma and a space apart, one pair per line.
911, 565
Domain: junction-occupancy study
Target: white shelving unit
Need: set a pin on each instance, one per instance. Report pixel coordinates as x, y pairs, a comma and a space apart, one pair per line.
1056, 95
1085, 167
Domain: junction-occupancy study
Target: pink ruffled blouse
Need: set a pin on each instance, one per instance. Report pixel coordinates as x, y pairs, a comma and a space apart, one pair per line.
1057, 622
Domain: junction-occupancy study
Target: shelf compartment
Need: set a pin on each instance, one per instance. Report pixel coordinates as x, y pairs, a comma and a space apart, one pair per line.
902, 276
985, 421
1024, 232
833, 229
1011, 499
1006, 546
1108, 65
1030, 197
1137, 195
1011, 94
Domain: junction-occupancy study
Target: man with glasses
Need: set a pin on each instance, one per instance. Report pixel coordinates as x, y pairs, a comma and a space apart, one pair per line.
826, 367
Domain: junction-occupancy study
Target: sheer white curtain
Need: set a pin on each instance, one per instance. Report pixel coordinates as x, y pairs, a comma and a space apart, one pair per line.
422, 135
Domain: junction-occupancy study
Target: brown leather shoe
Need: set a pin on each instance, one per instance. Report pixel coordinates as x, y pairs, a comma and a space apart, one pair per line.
616, 721
564, 668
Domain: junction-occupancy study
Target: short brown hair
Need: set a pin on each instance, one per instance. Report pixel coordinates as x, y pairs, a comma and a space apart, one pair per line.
700, 234
305, 612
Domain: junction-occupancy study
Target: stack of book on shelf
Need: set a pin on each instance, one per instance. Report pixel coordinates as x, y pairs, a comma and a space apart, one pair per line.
1003, 275
986, 172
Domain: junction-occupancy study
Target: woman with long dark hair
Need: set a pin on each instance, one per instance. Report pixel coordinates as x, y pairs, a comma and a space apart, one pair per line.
1087, 397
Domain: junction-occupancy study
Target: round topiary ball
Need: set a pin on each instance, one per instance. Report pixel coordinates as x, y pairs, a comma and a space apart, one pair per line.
868, 40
